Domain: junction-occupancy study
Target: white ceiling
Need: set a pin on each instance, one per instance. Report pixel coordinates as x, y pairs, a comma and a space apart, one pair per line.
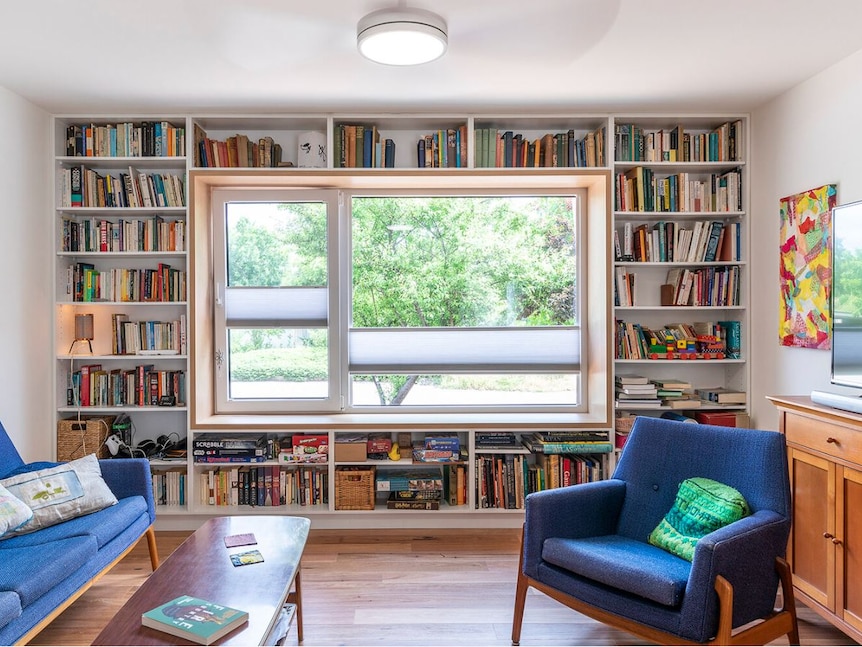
107, 56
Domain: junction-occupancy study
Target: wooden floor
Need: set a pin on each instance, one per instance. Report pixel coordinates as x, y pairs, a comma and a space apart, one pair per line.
397, 587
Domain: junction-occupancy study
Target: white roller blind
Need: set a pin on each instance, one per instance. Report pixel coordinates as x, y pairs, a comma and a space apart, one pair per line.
276, 307
446, 350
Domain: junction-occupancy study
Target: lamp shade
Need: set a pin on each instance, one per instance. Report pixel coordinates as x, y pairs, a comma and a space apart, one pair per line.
402, 36
83, 327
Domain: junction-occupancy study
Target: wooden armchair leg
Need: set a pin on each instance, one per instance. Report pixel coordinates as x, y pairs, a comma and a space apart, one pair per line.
787, 598
520, 598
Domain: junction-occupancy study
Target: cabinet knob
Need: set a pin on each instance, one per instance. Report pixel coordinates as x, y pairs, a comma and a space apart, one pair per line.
833, 538
832, 440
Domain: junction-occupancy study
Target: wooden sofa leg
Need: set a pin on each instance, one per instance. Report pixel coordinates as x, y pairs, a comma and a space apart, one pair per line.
151, 544
520, 598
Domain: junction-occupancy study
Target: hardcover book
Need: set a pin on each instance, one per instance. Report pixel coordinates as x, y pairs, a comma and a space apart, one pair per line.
194, 619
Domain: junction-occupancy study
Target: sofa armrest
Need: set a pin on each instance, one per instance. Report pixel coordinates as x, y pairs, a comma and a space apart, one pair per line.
129, 477
744, 553
584, 510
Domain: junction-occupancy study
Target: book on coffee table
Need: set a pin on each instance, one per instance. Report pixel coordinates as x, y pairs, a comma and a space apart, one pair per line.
194, 619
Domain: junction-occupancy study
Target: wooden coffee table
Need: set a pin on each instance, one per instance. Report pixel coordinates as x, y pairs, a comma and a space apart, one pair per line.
201, 567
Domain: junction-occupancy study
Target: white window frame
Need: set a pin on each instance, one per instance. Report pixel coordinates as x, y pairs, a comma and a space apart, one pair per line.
293, 307
595, 284
367, 357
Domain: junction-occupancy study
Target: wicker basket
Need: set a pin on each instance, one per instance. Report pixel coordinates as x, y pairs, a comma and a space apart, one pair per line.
354, 488
77, 438
624, 424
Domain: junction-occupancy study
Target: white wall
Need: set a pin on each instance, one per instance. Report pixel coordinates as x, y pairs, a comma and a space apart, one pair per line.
26, 386
808, 137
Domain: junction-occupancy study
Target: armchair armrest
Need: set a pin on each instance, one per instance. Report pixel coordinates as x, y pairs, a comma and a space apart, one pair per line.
129, 477
585, 510
744, 553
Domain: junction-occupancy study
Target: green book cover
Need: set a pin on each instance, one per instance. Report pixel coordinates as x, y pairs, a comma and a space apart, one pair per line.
194, 619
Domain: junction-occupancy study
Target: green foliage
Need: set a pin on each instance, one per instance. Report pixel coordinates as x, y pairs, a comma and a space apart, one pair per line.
417, 261
303, 364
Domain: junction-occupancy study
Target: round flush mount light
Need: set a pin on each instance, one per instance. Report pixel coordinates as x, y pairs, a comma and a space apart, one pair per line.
402, 36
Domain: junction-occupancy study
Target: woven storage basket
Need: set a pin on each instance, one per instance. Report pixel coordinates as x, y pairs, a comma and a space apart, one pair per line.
624, 423
354, 488
77, 438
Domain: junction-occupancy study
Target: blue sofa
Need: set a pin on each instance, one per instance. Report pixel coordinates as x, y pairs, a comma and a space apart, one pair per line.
43, 572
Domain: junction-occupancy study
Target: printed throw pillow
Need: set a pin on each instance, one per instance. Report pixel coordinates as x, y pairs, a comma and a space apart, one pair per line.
13, 513
61, 493
702, 506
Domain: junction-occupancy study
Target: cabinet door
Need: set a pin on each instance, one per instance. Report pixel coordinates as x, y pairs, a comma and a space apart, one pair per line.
810, 553
849, 557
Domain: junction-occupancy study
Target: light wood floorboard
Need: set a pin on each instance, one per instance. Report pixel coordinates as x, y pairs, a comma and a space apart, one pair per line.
397, 587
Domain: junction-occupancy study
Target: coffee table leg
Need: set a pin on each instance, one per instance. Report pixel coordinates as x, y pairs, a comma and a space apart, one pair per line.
296, 598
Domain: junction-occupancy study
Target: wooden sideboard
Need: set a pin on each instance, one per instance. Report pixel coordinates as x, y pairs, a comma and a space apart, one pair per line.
824, 450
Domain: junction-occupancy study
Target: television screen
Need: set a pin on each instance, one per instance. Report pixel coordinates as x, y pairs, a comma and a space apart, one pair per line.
847, 295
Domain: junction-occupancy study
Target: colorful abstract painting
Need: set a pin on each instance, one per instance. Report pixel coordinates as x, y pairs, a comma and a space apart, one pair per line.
805, 273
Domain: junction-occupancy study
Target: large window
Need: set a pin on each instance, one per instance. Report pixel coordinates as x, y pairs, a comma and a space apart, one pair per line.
397, 301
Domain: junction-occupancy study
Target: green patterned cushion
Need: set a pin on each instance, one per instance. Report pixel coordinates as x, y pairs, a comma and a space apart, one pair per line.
702, 506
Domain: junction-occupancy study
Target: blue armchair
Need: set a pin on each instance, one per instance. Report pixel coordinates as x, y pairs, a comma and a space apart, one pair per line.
586, 545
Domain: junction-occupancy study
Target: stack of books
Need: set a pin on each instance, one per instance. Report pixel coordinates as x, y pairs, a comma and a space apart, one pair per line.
676, 393
636, 392
569, 442
217, 448
718, 395
411, 489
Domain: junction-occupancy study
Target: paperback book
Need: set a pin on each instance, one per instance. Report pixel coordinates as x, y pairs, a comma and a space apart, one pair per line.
194, 619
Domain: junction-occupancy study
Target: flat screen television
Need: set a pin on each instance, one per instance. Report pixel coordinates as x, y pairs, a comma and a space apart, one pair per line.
846, 307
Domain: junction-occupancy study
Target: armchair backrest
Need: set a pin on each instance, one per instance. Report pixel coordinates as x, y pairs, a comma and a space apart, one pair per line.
9, 456
659, 454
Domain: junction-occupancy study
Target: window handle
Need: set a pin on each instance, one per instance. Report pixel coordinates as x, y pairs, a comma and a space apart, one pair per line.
219, 295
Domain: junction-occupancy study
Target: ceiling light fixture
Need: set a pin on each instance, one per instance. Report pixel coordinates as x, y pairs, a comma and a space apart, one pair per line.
402, 36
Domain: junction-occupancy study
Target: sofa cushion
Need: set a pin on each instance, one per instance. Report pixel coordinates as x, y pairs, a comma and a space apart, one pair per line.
13, 513
60, 493
624, 564
32, 571
103, 525
701, 506
10, 607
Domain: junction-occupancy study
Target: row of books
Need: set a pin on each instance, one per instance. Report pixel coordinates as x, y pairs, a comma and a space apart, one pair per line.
360, 146
503, 481
155, 234
633, 143
132, 337
507, 149
443, 149
169, 488
126, 139
163, 284
698, 340
638, 189
264, 486
703, 241
707, 286
84, 187
93, 386
236, 151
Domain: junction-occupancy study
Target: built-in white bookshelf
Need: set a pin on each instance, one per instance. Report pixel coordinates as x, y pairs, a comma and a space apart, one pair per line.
583, 143
677, 179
